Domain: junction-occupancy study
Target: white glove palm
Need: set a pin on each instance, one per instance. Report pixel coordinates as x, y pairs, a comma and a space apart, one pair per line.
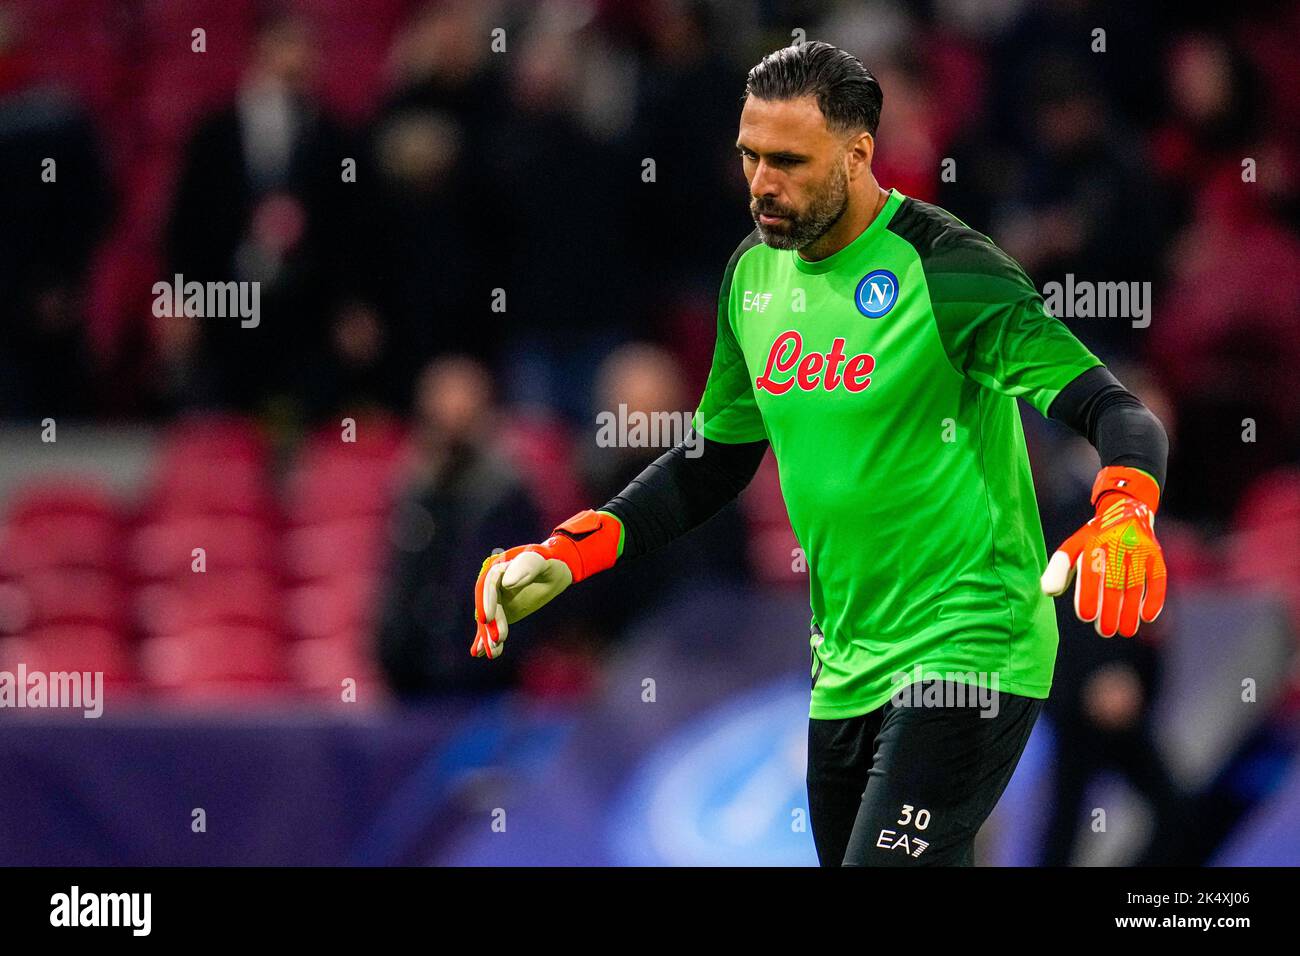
517, 582
513, 588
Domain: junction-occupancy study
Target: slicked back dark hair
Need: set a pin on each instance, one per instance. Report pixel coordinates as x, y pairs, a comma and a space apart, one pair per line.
847, 93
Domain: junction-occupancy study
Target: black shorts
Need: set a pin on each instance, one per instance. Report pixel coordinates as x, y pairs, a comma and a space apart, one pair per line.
911, 785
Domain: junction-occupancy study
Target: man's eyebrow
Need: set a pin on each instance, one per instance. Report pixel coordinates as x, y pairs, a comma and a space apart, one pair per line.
780, 155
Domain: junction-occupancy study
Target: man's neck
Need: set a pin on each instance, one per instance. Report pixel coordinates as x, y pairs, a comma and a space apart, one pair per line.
857, 217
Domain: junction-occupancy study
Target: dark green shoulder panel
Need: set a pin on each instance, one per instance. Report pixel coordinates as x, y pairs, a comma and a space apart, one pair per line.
749, 242
961, 264
727, 411
989, 317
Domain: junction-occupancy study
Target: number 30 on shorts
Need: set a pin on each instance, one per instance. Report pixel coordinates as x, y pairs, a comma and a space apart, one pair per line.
920, 821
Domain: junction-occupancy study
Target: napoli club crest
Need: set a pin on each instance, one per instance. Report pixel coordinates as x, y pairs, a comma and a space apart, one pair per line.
876, 293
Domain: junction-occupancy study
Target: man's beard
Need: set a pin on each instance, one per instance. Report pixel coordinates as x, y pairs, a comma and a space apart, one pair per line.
801, 231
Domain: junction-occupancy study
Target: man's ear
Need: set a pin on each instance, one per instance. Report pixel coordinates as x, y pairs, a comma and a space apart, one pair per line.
861, 149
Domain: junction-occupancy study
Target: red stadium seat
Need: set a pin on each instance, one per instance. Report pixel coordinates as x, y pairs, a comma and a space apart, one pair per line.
220, 657
58, 541
376, 436
211, 487
71, 648
210, 436
59, 596
165, 549
322, 664
15, 608
72, 43
178, 86
346, 547
340, 489
166, 24
1262, 551
1267, 558
178, 90
341, 604
333, 479
245, 597
61, 497
1268, 552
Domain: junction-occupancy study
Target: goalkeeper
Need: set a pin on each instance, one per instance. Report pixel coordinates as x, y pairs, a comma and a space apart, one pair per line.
878, 345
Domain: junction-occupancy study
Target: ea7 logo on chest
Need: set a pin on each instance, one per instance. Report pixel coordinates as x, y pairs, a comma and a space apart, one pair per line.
756, 301
876, 293
814, 369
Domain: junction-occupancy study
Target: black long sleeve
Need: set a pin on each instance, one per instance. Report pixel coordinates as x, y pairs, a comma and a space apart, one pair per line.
1114, 420
676, 492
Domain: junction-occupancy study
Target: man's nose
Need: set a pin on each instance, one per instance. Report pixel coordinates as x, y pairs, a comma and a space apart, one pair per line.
763, 183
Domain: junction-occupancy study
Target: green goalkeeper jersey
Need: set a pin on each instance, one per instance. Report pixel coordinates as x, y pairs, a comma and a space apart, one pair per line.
885, 377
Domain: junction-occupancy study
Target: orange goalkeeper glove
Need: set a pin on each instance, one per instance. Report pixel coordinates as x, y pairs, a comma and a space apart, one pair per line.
1121, 570
517, 582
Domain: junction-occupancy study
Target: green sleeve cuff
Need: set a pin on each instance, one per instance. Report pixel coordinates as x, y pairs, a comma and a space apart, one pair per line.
1143, 470
621, 531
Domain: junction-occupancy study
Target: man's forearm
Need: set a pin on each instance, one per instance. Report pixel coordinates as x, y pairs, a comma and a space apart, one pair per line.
675, 492
1114, 420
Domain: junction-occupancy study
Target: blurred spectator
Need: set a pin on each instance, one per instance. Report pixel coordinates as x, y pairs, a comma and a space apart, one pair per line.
688, 106
1060, 215
560, 250
911, 147
647, 382
441, 62
462, 500
422, 263
1099, 708
358, 368
261, 198
56, 202
1226, 342
1212, 116
435, 219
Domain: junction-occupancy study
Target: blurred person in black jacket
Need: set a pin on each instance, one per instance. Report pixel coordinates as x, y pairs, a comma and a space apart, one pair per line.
440, 64
462, 500
684, 113
423, 263
429, 264
561, 253
51, 228
261, 198
648, 382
